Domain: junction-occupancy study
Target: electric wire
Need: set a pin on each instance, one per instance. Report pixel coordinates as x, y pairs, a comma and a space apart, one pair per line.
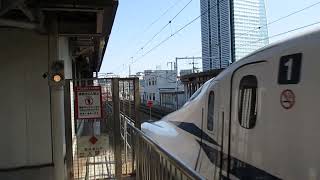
269, 37
192, 21
164, 27
280, 34
163, 14
156, 20
169, 23
279, 19
176, 32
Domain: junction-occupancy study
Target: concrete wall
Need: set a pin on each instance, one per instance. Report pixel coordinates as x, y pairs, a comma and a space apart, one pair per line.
32, 119
25, 131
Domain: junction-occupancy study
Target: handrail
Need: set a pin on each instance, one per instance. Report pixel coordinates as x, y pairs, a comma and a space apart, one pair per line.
190, 173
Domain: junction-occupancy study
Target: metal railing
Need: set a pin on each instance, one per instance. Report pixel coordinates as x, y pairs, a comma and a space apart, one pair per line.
104, 157
149, 160
122, 149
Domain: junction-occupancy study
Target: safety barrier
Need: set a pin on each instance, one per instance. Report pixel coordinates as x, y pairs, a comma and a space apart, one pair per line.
112, 146
150, 160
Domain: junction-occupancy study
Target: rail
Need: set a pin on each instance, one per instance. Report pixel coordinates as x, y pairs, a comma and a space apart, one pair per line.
149, 159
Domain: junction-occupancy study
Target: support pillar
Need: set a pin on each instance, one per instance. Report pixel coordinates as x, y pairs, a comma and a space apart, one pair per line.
116, 127
57, 108
58, 133
68, 130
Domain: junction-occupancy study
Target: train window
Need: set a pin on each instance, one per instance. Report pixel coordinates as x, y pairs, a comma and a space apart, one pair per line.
248, 101
210, 114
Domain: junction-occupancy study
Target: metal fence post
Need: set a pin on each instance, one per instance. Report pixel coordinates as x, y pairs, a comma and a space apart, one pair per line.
137, 103
116, 127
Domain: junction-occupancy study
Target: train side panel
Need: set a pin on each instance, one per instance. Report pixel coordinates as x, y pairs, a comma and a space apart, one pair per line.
283, 143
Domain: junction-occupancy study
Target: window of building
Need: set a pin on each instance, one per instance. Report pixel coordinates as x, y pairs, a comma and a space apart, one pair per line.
154, 96
149, 82
210, 114
248, 101
153, 81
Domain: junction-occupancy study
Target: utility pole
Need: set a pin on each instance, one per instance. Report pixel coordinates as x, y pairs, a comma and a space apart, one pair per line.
130, 66
176, 68
193, 63
170, 64
129, 70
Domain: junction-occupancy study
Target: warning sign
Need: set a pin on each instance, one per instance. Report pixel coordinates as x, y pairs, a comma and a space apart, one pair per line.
88, 102
89, 146
287, 99
149, 103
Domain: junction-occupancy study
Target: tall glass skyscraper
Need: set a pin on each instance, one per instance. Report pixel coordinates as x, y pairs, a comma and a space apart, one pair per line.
244, 30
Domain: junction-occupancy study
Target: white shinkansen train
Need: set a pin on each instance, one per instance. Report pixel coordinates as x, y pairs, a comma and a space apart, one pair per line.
258, 119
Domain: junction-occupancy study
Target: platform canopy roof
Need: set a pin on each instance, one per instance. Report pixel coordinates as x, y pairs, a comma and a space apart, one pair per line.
88, 23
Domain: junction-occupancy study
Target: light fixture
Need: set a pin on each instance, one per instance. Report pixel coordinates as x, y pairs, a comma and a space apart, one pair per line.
57, 78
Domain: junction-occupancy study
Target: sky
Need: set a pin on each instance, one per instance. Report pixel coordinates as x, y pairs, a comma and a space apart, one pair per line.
138, 21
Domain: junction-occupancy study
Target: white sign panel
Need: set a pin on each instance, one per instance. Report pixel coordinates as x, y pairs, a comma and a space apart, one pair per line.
89, 146
88, 102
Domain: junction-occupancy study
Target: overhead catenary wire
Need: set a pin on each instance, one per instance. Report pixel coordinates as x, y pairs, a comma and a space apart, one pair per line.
163, 14
176, 32
192, 21
156, 20
279, 19
169, 23
164, 27
273, 36
269, 37
280, 34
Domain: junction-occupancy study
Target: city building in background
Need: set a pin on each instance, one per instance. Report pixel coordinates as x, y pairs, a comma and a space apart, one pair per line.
171, 98
184, 72
244, 28
154, 80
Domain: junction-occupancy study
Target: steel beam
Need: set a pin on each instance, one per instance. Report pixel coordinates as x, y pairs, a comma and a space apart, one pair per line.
8, 5
26, 11
18, 24
70, 9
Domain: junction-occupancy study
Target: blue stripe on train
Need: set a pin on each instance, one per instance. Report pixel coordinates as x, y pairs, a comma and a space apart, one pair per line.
239, 169
195, 130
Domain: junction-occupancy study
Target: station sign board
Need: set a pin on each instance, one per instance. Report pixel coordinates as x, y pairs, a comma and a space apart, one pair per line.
88, 102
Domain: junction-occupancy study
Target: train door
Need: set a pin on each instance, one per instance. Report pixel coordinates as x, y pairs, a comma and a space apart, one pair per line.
246, 83
211, 138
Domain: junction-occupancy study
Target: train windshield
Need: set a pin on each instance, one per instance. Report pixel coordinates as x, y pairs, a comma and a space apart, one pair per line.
196, 94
